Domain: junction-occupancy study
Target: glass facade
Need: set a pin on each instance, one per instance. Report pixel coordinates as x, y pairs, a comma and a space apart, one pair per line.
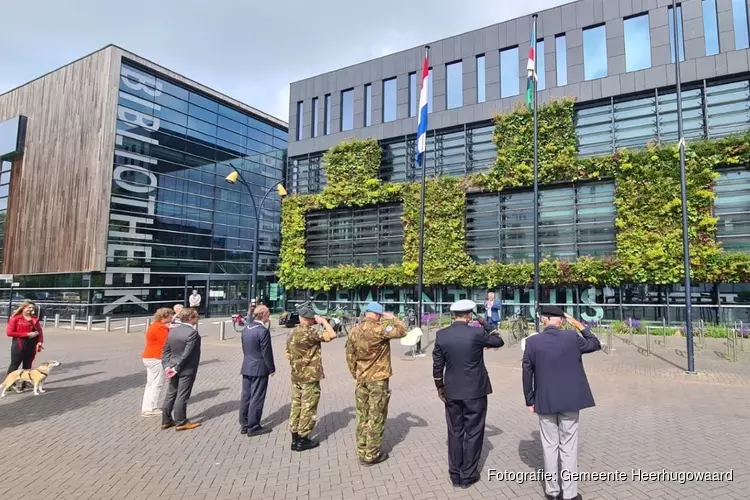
739, 16
300, 119
509, 67
327, 114
595, 52
454, 92
710, 27
389, 100
413, 99
541, 68
172, 214
5, 167
637, 43
732, 207
481, 80
680, 38
360, 236
314, 119
368, 105
347, 110
561, 60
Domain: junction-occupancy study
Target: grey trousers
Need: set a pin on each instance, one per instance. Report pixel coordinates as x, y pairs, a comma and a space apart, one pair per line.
559, 433
178, 392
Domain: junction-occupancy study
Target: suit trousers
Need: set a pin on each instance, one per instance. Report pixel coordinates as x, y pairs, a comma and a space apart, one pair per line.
465, 419
559, 433
175, 402
155, 379
253, 398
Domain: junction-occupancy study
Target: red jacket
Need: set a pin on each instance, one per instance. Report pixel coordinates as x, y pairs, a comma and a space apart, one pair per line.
19, 327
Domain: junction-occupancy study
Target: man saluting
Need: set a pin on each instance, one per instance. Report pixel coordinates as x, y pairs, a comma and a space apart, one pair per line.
463, 385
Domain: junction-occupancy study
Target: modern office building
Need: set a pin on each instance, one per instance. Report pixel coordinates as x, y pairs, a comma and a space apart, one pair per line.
616, 58
113, 194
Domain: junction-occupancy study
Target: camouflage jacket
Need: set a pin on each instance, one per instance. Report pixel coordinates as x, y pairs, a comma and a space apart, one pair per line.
304, 354
368, 349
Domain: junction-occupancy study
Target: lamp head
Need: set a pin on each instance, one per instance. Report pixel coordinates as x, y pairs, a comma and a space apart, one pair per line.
232, 177
280, 189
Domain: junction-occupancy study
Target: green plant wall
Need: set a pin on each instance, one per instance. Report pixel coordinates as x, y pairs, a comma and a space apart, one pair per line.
647, 199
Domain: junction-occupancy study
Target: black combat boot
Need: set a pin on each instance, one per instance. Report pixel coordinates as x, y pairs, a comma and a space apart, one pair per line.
295, 441
305, 443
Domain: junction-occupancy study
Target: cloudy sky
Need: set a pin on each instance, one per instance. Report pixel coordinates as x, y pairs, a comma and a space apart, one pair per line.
247, 49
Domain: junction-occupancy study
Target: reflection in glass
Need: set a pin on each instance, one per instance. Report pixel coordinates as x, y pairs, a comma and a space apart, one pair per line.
637, 43
300, 119
561, 60
327, 115
481, 80
314, 117
680, 39
389, 100
540, 65
412, 94
509, 78
368, 105
347, 110
454, 92
710, 27
594, 53
739, 14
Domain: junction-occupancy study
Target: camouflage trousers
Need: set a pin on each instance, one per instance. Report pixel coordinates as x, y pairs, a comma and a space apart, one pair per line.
304, 410
372, 412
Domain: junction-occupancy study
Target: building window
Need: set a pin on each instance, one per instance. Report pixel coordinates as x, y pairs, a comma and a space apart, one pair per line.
573, 222
314, 117
481, 89
389, 100
361, 236
327, 115
454, 90
732, 208
300, 119
509, 72
4, 194
541, 70
347, 110
680, 39
412, 94
595, 52
710, 27
561, 60
368, 105
739, 14
637, 43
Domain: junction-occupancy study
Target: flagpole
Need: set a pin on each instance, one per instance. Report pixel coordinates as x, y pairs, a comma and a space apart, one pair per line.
420, 279
683, 194
536, 185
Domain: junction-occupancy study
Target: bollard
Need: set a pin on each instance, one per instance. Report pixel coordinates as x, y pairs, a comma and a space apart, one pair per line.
108, 324
222, 328
664, 331
44, 322
57, 320
609, 339
148, 323
127, 325
648, 340
89, 321
72, 321
734, 345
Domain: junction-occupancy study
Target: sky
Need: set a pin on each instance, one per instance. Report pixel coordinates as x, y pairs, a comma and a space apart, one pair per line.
248, 49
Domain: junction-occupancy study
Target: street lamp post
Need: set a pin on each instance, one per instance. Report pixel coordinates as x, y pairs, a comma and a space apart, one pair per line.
232, 178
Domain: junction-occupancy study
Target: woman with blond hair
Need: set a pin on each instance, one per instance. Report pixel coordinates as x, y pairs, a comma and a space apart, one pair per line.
156, 336
26, 333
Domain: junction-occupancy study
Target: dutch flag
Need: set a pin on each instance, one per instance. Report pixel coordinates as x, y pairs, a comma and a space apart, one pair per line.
422, 120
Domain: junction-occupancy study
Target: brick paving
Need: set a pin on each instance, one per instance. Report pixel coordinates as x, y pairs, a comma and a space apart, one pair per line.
84, 438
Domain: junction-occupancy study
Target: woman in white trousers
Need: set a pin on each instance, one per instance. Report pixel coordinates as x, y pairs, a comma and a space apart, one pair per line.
156, 336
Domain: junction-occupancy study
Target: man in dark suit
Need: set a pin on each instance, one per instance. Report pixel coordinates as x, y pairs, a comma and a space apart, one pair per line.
556, 388
257, 366
463, 385
180, 357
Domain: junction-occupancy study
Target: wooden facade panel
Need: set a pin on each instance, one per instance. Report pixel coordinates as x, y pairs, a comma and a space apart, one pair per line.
60, 188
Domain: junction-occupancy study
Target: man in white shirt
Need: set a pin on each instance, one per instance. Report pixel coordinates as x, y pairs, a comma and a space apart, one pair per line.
195, 299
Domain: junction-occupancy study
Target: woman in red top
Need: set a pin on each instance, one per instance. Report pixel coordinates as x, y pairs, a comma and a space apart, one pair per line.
156, 337
26, 333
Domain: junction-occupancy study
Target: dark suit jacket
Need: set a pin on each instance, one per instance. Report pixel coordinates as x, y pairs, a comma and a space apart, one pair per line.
554, 380
458, 359
256, 347
182, 350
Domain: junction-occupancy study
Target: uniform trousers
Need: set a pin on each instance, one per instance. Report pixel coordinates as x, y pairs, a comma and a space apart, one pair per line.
305, 398
559, 433
465, 419
372, 412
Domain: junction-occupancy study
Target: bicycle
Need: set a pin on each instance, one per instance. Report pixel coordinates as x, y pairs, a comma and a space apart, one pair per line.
519, 329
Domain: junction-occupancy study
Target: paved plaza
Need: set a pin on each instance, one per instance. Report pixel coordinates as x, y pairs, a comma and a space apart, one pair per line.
85, 439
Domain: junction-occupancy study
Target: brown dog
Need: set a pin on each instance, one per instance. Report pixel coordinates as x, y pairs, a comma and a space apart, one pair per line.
36, 376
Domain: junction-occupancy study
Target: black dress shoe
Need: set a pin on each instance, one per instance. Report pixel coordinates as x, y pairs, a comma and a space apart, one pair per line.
382, 457
257, 432
305, 443
467, 484
243, 431
577, 497
553, 497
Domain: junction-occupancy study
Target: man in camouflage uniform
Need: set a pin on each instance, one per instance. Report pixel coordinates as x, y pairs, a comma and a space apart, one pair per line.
303, 353
368, 355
